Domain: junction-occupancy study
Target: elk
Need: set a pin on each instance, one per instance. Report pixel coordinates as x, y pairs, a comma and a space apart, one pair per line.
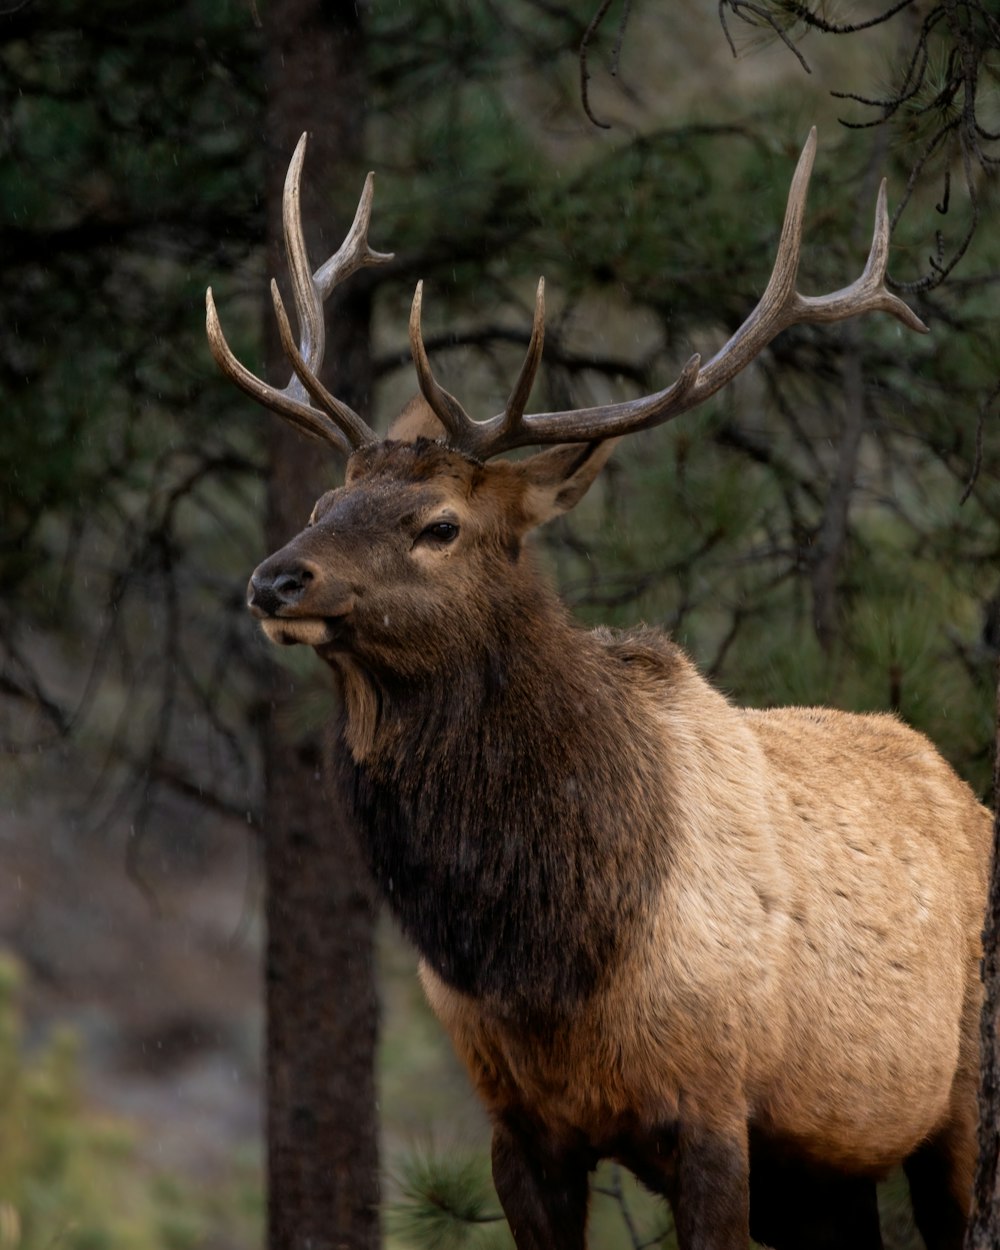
737, 950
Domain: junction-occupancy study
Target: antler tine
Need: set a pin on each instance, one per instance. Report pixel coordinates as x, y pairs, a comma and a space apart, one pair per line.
779, 307
354, 252
357, 432
305, 418
782, 306
869, 292
779, 294
459, 425
518, 400
333, 422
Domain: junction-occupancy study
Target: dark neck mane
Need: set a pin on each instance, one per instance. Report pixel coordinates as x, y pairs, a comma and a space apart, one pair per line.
505, 811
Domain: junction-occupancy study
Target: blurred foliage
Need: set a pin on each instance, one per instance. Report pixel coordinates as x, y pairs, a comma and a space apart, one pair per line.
70, 1177
938, 97
103, 143
127, 177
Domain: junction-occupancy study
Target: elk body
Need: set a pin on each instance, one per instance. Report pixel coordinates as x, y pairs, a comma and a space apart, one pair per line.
736, 950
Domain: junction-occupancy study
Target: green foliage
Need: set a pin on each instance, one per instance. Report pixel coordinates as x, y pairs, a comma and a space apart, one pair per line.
626, 219
72, 1178
446, 1203
114, 184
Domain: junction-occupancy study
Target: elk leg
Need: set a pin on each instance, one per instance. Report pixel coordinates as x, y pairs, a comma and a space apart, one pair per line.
712, 1194
796, 1207
939, 1212
941, 1170
703, 1174
543, 1189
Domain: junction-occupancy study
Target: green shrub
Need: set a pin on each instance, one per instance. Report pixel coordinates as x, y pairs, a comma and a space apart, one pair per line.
72, 1178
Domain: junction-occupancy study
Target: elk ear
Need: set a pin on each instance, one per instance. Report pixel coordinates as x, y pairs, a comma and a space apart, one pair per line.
555, 480
417, 420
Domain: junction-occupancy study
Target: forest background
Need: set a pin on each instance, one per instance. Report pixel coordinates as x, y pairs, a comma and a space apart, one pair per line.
825, 531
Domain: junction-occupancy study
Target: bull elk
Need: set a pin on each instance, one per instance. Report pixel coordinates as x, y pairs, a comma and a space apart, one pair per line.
736, 950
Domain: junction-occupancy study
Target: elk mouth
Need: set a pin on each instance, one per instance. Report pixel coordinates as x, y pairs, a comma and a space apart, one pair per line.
306, 630
311, 631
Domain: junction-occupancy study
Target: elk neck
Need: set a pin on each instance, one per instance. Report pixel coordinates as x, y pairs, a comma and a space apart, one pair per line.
507, 810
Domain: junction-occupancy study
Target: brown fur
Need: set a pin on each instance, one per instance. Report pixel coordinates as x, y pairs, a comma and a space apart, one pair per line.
656, 926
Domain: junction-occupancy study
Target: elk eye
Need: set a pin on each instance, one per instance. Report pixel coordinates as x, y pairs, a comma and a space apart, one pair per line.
442, 532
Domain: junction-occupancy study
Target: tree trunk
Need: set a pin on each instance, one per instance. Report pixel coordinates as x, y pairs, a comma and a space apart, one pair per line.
984, 1227
322, 1169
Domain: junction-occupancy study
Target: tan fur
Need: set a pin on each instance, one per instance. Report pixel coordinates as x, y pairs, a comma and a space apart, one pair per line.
808, 964
311, 632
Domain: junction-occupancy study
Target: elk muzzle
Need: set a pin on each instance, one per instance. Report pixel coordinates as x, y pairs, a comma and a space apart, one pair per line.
296, 602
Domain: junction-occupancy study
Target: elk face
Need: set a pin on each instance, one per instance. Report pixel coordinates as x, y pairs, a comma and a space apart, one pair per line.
383, 559
417, 554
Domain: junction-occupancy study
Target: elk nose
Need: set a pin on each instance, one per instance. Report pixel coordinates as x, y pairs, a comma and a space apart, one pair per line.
267, 594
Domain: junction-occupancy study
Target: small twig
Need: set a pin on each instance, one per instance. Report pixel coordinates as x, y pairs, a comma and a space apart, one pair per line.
834, 28
588, 34
977, 459
614, 1190
970, 33
616, 52
769, 19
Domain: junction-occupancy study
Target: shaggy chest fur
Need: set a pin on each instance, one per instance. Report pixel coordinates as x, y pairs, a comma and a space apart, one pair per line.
509, 827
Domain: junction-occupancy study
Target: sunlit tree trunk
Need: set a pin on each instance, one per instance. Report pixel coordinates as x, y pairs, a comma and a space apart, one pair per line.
322, 1149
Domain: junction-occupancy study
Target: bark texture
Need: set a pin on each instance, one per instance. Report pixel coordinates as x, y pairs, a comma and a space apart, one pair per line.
984, 1227
322, 1169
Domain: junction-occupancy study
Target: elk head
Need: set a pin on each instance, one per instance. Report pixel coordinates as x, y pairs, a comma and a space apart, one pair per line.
424, 532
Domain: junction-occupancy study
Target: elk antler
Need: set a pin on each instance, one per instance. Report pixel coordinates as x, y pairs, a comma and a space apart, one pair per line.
331, 420
780, 307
